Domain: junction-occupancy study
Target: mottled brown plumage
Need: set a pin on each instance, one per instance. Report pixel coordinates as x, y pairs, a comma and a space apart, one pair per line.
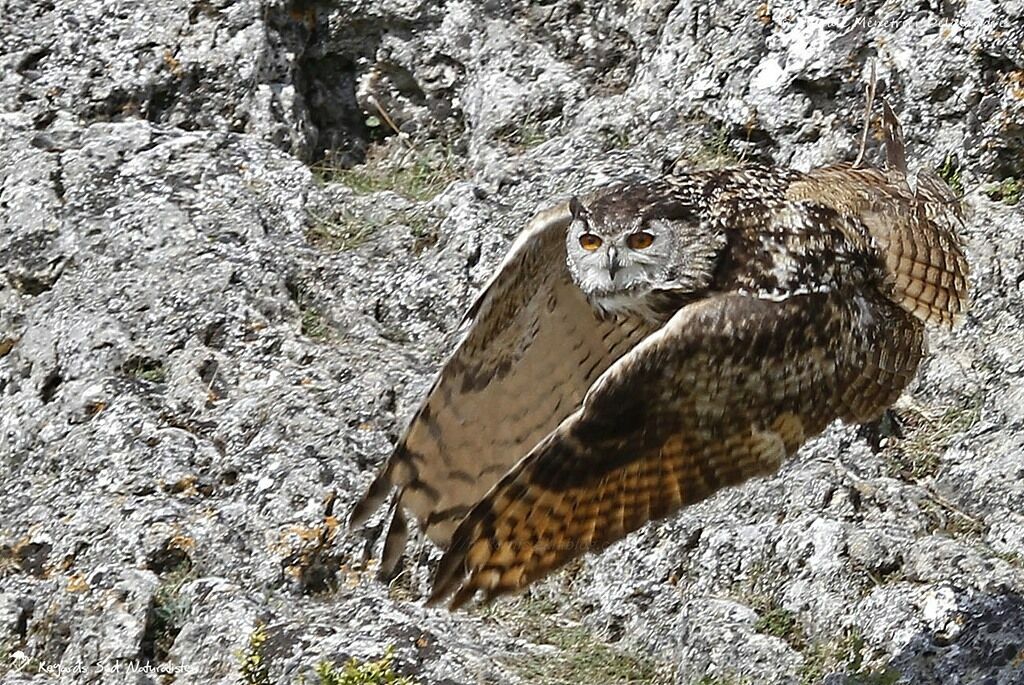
533, 348
572, 413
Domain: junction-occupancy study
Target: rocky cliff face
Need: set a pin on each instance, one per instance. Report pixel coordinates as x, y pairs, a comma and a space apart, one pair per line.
237, 236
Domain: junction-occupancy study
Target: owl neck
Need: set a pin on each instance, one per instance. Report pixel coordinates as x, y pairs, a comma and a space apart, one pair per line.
653, 306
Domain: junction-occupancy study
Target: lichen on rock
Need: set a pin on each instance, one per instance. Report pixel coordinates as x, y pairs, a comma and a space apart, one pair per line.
237, 237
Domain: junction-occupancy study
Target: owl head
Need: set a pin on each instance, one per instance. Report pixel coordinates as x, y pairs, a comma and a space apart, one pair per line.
632, 238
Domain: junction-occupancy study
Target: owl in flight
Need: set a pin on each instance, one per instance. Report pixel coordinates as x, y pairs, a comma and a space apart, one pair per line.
644, 346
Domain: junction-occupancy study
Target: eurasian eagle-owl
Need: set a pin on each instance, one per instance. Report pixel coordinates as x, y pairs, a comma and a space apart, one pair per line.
648, 344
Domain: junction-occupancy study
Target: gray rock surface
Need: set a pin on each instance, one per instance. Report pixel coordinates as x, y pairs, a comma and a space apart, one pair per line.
213, 325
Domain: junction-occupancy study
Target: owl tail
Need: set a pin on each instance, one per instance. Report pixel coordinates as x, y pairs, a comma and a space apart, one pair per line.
923, 253
926, 262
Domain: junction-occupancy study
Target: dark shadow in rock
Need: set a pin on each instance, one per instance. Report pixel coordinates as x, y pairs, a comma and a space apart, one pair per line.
31, 264
980, 641
27, 557
145, 369
326, 74
877, 432
168, 609
48, 390
169, 557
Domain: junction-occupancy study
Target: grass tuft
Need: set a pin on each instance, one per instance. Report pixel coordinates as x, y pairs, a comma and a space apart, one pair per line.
524, 137
950, 172
580, 656
780, 623
349, 232
167, 612
253, 663
724, 680
145, 369
1010, 191
413, 174
918, 456
843, 655
313, 325
377, 672
345, 232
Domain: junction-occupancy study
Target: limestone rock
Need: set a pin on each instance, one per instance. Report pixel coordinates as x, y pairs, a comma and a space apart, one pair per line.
237, 237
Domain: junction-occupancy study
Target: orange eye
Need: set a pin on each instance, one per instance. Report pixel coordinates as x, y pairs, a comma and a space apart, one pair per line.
590, 242
639, 241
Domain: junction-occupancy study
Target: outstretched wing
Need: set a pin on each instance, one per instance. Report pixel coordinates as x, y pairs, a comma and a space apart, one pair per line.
533, 347
729, 387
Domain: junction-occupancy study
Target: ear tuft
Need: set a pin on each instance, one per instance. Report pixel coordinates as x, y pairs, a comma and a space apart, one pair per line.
575, 207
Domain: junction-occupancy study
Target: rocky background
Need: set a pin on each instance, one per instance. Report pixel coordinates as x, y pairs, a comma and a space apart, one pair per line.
237, 236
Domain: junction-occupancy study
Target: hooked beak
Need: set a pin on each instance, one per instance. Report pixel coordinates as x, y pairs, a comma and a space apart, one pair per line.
613, 262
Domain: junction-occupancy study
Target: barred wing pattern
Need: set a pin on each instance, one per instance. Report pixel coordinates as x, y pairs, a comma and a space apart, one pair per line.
915, 231
724, 392
533, 347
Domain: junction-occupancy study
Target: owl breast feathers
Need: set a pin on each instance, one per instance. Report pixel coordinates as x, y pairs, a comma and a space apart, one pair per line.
602, 383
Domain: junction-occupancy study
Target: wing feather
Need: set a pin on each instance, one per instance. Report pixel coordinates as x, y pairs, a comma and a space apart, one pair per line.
533, 347
915, 231
724, 392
